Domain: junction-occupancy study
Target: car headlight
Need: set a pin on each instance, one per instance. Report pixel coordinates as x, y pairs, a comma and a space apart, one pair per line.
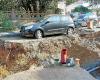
28, 27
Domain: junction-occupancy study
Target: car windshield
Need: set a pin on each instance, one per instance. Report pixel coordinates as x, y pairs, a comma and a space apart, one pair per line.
81, 17
42, 20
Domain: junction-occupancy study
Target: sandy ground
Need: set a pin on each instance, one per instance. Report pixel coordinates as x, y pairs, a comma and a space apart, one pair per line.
15, 37
56, 73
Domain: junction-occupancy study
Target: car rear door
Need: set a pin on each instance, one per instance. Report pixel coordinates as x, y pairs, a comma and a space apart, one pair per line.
64, 22
51, 25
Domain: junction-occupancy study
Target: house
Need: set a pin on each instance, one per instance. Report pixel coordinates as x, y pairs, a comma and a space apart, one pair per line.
93, 1
68, 8
62, 6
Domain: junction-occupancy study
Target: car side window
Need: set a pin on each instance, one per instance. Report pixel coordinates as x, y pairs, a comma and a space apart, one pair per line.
64, 19
54, 19
67, 19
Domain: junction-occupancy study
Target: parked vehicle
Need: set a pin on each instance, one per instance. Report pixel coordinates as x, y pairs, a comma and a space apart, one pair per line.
82, 20
94, 69
98, 22
96, 73
54, 24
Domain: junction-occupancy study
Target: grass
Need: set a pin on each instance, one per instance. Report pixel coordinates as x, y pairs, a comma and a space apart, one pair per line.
3, 72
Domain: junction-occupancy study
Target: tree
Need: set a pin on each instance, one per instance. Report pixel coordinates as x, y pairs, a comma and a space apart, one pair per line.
81, 9
37, 5
69, 1
7, 5
28, 5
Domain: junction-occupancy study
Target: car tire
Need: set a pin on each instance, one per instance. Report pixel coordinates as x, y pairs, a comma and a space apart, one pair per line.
79, 26
21, 34
38, 34
70, 31
84, 24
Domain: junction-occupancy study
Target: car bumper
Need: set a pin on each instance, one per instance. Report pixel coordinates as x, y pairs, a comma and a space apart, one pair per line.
27, 33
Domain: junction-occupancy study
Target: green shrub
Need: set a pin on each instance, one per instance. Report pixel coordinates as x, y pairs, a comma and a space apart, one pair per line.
2, 16
81, 9
7, 25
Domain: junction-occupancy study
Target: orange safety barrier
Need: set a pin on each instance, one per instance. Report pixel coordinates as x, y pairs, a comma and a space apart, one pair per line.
64, 56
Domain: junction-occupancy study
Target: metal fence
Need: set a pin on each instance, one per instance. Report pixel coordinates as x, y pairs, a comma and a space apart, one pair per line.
22, 17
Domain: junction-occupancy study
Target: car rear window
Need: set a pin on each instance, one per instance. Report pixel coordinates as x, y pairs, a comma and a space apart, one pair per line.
64, 18
54, 18
67, 19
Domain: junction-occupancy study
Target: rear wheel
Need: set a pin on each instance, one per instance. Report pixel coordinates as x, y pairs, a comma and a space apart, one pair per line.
38, 34
22, 34
70, 31
84, 24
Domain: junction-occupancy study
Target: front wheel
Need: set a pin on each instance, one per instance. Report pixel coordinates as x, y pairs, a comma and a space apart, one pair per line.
70, 31
38, 34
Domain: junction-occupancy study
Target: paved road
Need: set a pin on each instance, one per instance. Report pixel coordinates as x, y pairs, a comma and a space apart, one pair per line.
15, 37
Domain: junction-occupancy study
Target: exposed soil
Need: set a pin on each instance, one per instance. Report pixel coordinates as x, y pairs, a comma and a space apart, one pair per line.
83, 54
11, 52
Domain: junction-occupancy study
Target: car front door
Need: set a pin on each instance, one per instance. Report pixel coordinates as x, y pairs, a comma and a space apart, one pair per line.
51, 25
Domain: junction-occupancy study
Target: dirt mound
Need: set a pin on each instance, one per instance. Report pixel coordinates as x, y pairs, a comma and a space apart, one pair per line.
20, 56
86, 56
92, 35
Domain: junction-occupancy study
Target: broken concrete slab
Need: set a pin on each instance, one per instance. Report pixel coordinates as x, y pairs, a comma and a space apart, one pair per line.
54, 73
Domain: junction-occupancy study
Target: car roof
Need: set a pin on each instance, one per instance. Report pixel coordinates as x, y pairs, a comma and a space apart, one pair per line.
56, 15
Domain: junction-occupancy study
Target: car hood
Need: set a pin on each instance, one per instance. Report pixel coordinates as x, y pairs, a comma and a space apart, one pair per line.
33, 26
36, 25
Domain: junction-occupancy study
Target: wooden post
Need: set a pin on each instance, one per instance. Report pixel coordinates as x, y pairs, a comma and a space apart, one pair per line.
77, 61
